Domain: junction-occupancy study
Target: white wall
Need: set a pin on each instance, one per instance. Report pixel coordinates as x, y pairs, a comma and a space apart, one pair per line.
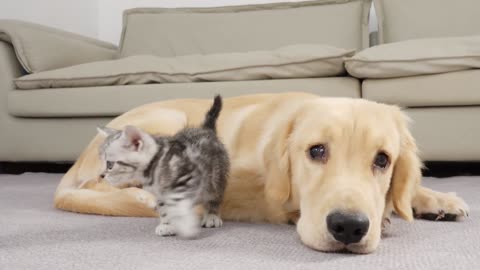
373, 23
76, 16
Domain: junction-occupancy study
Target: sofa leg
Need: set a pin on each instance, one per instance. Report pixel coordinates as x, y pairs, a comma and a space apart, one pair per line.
23, 167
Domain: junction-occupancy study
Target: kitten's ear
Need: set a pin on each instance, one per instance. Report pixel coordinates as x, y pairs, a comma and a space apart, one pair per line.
106, 131
134, 137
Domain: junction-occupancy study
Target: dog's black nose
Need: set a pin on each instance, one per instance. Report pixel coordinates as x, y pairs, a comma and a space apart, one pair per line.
102, 175
347, 227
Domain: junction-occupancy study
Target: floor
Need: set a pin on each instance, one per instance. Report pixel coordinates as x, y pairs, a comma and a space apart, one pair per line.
34, 235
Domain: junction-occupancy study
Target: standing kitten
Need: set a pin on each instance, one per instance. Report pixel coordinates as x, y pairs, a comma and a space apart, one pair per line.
182, 171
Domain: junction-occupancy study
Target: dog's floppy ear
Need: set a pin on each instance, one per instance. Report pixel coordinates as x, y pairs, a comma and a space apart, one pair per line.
407, 172
277, 161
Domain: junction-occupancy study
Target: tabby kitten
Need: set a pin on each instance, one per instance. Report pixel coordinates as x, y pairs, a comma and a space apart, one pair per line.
182, 171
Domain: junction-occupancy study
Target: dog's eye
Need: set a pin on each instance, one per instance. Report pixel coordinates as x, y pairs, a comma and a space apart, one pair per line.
318, 152
381, 161
110, 165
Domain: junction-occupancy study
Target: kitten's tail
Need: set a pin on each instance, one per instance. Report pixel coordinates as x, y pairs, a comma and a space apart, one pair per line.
212, 114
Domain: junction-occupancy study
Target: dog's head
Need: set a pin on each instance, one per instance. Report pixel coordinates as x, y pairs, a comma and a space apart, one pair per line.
345, 164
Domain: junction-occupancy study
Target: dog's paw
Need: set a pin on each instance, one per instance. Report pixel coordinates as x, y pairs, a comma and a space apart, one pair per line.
211, 221
165, 230
438, 206
145, 198
150, 201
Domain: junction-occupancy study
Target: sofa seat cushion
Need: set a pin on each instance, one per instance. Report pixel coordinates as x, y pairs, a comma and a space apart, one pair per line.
447, 89
296, 61
416, 57
114, 100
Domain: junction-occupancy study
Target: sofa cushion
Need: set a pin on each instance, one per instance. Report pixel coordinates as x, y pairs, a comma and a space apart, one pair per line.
299, 61
40, 48
183, 31
114, 100
447, 89
416, 57
410, 19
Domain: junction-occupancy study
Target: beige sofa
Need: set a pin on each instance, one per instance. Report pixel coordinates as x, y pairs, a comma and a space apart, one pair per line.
445, 106
55, 124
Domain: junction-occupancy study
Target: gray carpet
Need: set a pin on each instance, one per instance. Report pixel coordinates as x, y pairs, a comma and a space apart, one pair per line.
34, 235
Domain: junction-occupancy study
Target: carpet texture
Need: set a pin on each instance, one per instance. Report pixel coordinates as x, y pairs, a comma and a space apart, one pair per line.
34, 235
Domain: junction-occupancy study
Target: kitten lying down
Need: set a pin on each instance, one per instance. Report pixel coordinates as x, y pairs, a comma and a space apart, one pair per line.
182, 171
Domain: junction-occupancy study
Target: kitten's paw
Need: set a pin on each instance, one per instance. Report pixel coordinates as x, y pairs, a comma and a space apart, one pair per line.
188, 233
165, 230
187, 226
211, 221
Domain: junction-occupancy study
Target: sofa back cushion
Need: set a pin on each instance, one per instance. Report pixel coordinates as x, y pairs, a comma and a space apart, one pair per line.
183, 31
411, 19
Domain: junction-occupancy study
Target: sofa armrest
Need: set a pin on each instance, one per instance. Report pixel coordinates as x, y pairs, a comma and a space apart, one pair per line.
40, 48
10, 69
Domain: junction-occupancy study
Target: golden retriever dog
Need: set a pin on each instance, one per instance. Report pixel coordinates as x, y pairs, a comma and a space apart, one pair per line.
336, 167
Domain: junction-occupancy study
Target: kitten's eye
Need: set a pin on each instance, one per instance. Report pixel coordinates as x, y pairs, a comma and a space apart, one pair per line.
381, 161
318, 152
110, 165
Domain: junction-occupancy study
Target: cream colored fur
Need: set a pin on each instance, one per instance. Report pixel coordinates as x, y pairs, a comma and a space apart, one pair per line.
272, 178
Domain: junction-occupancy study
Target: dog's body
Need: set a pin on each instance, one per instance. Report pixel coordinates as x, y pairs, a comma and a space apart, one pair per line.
270, 139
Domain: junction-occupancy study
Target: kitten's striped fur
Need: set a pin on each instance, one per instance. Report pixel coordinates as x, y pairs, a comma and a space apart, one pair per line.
183, 170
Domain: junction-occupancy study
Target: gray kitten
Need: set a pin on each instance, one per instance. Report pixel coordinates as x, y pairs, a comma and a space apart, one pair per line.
182, 171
